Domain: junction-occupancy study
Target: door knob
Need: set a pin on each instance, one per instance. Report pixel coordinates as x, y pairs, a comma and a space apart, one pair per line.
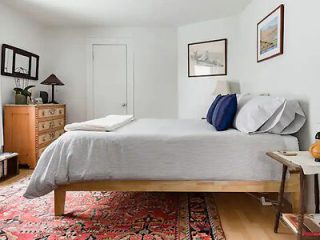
124, 105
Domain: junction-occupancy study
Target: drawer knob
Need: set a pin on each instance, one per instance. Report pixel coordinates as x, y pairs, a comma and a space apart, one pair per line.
52, 111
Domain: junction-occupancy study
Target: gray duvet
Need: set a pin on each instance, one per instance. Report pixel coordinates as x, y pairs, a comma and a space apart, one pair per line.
154, 149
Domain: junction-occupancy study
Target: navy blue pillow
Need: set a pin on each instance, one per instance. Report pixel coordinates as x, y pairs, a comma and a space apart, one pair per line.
224, 112
212, 107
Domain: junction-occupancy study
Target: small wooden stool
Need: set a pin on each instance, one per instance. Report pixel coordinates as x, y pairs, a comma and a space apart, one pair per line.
294, 162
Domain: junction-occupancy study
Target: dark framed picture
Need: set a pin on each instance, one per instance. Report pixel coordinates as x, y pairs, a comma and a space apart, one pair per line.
270, 35
16, 62
207, 58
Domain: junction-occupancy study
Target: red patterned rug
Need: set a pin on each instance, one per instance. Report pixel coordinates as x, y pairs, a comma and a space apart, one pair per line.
109, 215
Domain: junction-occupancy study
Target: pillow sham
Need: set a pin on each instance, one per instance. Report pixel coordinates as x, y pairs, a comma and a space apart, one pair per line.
276, 119
212, 107
291, 114
297, 123
255, 112
244, 98
224, 112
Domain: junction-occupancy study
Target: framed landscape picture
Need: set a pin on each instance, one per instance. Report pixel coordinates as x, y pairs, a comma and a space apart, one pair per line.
270, 35
207, 58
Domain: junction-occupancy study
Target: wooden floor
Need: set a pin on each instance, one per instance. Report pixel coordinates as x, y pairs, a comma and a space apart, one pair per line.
243, 217
23, 173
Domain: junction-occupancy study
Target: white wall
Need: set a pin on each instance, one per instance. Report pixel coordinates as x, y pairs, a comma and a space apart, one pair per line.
296, 73
63, 52
21, 32
155, 68
195, 94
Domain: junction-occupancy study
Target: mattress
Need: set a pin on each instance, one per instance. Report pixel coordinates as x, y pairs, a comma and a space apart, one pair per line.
158, 149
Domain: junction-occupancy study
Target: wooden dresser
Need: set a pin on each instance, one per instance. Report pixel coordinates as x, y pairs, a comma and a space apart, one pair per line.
29, 129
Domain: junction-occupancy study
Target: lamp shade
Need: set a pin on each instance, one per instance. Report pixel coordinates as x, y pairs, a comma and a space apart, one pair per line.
222, 87
52, 80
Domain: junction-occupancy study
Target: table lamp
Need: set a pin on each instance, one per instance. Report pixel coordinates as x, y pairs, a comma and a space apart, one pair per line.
52, 80
222, 87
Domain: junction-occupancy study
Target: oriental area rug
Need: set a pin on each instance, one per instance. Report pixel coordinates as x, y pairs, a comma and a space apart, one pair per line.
109, 215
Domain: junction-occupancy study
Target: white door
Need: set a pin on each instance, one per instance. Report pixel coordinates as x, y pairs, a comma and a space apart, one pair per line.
109, 79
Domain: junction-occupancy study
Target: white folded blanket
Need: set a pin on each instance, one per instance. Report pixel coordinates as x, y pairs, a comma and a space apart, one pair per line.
106, 124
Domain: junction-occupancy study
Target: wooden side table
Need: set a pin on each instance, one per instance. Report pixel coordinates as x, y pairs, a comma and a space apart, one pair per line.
306, 165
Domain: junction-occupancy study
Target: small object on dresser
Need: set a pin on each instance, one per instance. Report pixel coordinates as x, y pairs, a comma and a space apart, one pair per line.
38, 100
44, 96
22, 94
9, 165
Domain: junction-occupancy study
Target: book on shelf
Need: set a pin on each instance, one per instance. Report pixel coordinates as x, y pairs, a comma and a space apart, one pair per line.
311, 223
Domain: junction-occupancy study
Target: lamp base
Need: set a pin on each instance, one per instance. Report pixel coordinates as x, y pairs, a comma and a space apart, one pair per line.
52, 95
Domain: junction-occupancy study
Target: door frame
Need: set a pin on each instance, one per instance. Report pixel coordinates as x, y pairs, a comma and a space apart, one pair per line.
130, 72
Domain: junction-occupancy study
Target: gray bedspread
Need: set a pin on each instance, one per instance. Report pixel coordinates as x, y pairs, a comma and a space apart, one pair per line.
154, 149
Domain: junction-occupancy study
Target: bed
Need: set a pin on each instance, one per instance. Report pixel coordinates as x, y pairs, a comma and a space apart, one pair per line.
161, 155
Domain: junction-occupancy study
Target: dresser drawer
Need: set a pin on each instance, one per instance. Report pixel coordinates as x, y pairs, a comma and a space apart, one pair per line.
49, 137
29, 129
50, 112
46, 125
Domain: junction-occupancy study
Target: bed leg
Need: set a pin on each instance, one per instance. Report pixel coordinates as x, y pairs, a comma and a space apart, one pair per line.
59, 201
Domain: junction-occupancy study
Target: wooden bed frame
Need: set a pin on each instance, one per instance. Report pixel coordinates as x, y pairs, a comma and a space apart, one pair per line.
292, 187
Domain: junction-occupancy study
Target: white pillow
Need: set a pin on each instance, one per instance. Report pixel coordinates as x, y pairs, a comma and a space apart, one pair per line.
244, 98
274, 120
290, 114
253, 113
297, 123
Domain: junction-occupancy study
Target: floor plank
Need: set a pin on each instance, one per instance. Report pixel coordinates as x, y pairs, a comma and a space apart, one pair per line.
242, 216
23, 173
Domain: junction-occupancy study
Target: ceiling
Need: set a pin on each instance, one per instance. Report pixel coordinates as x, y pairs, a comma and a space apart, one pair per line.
125, 12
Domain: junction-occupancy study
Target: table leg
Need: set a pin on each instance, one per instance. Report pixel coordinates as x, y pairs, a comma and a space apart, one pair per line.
301, 211
280, 197
316, 192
